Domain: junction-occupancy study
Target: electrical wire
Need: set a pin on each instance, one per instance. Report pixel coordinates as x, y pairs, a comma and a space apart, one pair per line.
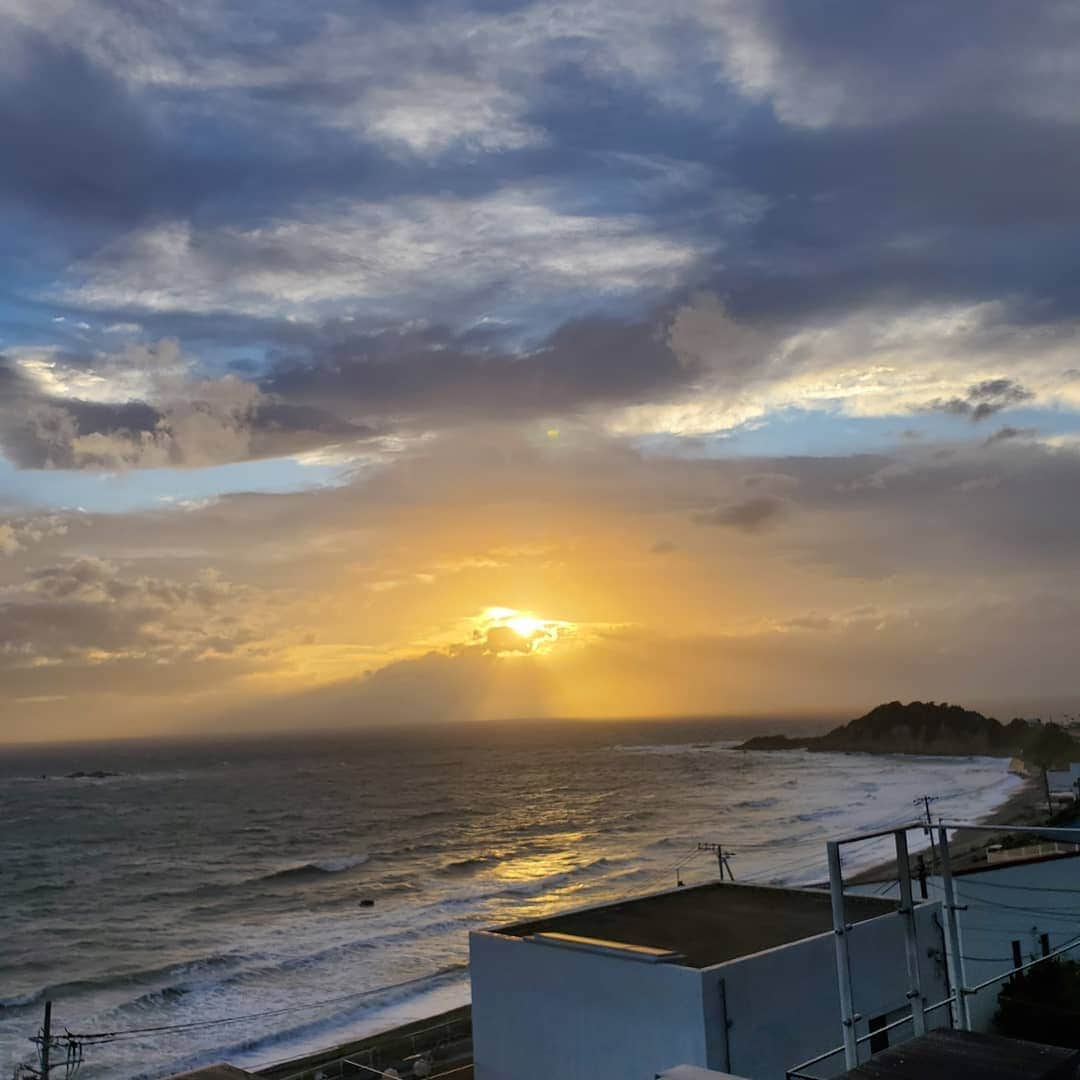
1009, 960
967, 883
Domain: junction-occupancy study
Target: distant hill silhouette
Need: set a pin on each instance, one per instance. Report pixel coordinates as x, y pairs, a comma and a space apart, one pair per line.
925, 727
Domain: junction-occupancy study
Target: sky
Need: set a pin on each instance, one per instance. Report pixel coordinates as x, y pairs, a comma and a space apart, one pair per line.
378, 362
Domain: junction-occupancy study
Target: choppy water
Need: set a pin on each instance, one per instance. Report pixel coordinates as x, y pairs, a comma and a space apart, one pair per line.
220, 880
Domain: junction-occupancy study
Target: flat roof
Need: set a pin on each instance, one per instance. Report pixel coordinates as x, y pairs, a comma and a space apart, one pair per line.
967, 1055
707, 924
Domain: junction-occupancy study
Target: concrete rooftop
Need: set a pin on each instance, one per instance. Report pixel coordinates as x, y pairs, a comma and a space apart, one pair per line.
708, 924
965, 1055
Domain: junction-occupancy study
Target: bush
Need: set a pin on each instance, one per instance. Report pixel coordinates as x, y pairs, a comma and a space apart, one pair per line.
1042, 1004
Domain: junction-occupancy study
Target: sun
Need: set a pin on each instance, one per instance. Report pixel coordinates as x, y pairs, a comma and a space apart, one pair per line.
525, 625
519, 632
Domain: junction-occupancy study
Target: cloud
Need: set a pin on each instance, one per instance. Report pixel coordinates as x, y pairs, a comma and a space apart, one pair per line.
583, 364
183, 421
384, 259
20, 533
984, 399
1005, 433
87, 613
886, 65
878, 362
751, 515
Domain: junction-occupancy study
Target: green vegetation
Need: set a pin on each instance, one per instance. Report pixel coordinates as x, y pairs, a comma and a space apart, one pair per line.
1042, 1004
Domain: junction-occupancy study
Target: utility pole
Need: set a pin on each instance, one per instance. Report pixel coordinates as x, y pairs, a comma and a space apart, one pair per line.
926, 800
46, 1039
721, 859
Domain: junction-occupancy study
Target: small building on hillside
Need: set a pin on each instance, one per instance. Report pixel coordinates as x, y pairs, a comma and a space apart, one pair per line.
725, 976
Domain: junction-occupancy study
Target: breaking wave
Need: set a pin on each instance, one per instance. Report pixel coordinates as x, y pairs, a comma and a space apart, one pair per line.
315, 869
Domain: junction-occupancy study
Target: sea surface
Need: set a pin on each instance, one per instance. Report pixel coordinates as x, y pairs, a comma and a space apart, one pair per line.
226, 881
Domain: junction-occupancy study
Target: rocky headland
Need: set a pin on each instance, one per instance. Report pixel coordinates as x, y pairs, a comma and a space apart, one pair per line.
925, 727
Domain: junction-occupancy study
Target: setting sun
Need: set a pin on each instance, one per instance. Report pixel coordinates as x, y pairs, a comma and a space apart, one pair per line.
525, 625
508, 630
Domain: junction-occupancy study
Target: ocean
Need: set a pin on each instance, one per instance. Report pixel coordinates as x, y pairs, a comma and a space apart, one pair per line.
306, 890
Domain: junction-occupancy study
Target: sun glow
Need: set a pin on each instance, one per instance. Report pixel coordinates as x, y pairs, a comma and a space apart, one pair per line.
513, 631
525, 625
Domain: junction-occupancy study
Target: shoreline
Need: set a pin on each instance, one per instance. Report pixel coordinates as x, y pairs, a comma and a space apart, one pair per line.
1024, 806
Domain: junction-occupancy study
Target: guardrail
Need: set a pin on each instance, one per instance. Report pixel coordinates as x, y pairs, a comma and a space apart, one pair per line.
447, 1044
958, 981
797, 1072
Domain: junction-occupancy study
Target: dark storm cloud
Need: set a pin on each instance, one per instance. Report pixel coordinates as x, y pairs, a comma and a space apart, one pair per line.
984, 399
584, 363
818, 159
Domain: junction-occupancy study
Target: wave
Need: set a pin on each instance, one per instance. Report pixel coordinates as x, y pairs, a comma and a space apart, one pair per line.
327, 1029
470, 865
755, 804
315, 869
134, 979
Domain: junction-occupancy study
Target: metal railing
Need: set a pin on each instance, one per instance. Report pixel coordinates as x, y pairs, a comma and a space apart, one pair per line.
445, 1044
796, 1072
961, 1015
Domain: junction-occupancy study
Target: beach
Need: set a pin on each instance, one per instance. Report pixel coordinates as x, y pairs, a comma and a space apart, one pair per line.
1025, 806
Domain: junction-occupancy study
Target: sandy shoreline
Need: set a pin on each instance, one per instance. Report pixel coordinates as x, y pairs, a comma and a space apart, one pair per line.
1025, 806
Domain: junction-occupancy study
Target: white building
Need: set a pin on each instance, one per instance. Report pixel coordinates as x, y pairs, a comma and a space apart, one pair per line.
736, 978
1064, 781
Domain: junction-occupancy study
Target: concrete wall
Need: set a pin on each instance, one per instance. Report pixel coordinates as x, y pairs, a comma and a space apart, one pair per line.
541, 1012
783, 1005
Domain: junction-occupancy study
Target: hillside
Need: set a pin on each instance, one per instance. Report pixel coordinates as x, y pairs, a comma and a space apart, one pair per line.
930, 728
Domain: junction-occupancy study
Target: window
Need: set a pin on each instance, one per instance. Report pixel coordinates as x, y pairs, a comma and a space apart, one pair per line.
879, 1040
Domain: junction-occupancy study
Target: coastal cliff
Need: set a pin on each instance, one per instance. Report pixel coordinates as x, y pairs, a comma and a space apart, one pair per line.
930, 728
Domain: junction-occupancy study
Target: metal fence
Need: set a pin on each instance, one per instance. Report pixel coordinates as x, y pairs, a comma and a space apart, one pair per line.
444, 1049
961, 1017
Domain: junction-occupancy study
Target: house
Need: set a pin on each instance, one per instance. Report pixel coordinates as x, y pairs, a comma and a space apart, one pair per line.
725, 976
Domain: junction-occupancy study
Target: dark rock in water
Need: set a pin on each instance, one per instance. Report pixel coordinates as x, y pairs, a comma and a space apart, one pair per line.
930, 728
97, 774
774, 742
367, 903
